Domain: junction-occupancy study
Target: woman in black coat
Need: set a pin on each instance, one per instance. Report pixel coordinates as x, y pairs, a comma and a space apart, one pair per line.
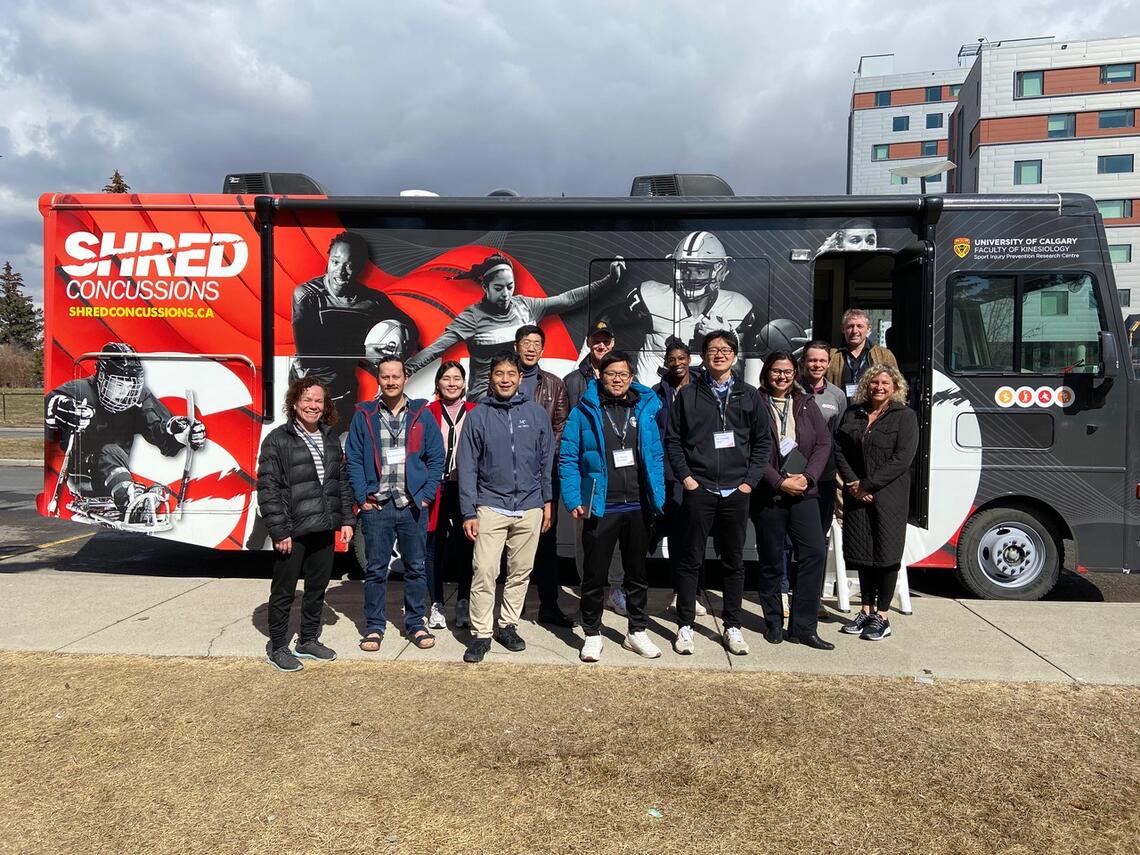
305, 500
874, 449
785, 504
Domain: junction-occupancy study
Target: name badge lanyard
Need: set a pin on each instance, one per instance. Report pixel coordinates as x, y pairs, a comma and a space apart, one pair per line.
317, 450
624, 427
451, 434
387, 423
782, 415
855, 363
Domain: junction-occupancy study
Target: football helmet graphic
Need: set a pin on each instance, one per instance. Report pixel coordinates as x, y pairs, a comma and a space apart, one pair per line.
700, 265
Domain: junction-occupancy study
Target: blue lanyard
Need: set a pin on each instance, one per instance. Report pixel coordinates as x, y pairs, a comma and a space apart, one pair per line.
625, 425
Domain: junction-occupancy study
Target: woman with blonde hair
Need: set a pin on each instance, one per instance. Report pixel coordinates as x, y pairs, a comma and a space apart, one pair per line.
875, 446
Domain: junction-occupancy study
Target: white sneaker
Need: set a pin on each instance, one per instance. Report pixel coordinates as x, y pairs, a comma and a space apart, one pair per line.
462, 614
683, 643
700, 612
592, 650
734, 641
640, 644
617, 601
436, 620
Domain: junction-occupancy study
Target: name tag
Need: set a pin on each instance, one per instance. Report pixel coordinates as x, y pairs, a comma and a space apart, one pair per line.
852, 388
724, 439
394, 456
786, 446
623, 457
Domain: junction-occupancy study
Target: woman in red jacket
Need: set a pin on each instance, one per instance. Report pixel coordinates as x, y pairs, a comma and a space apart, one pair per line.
785, 504
447, 547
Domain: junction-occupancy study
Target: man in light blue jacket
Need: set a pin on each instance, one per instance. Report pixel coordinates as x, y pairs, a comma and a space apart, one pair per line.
505, 459
612, 471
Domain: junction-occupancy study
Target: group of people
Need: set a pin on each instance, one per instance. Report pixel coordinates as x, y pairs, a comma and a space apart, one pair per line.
469, 489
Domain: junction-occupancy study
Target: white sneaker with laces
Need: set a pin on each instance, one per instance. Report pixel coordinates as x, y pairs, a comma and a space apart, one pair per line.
462, 614
592, 649
436, 620
617, 601
734, 641
700, 612
640, 643
683, 643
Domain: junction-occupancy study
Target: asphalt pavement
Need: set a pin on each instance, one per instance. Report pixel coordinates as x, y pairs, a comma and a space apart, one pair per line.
71, 588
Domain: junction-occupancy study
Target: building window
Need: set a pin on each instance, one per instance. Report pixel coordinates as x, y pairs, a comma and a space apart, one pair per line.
898, 180
933, 120
882, 99
1115, 209
1122, 73
1027, 172
930, 148
955, 88
934, 179
1029, 84
1125, 297
900, 123
1113, 164
933, 93
1061, 126
1120, 253
1054, 303
880, 152
1116, 119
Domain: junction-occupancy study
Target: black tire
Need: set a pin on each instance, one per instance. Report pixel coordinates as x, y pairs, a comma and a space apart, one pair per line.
1008, 553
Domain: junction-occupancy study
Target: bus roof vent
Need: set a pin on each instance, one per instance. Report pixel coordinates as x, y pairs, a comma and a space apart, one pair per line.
680, 185
274, 183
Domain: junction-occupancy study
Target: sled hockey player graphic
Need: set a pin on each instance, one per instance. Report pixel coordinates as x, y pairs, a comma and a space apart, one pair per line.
96, 420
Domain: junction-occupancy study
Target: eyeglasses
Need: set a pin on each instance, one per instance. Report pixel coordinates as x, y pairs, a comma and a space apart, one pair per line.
720, 351
782, 372
616, 375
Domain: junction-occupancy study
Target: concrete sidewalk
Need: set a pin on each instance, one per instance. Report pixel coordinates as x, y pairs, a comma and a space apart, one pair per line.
67, 611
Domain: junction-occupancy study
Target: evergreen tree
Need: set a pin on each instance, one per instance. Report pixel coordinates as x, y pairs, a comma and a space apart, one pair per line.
118, 184
20, 321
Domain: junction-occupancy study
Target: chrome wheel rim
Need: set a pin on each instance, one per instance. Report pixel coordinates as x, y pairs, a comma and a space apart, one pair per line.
1012, 555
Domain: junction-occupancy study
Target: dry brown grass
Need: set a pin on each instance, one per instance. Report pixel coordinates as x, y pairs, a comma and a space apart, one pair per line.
22, 447
120, 754
21, 407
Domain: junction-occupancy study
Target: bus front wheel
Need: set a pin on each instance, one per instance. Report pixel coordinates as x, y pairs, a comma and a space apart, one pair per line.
1008, 554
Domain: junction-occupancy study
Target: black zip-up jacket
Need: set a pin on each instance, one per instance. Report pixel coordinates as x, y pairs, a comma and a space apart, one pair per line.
695, 417
291, 499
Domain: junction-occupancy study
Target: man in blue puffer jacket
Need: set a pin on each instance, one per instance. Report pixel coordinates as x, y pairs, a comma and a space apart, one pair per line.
612, 471
505, 462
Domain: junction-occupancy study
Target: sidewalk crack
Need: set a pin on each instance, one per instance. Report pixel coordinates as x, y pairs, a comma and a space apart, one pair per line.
1018, 641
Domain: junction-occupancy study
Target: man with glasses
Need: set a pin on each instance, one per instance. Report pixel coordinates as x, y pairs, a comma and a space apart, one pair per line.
611, 464
848, 363
718, 444
549, 392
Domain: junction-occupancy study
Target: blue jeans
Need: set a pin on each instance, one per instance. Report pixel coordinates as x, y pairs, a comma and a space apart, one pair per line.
384, 528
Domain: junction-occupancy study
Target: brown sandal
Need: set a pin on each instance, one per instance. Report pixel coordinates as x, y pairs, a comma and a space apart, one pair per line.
374, 640
423, 639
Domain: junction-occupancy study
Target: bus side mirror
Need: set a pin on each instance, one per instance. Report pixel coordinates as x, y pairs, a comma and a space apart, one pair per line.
1109, 354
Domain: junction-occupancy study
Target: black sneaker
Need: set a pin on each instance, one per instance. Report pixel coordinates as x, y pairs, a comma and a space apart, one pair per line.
855, 627
508, 636
476, 650
773, 633
877, 629
314, 650
555, 617
283, 660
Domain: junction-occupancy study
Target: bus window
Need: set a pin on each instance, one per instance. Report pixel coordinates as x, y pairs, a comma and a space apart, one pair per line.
981, 326
1060, 324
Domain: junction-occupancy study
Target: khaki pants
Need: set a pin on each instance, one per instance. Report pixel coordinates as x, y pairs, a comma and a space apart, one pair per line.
520, 534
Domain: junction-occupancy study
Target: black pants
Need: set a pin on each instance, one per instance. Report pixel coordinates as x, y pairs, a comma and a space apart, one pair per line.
312, 560
449, 551
826, 500
544, 576
796, 519
704, 513
673, 526
599, 537
877, 585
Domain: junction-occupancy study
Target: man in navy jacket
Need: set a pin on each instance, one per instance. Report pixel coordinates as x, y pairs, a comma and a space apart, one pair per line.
504, 462
395, 462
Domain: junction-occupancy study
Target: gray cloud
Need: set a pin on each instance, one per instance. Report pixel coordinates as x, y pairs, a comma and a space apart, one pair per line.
458, 96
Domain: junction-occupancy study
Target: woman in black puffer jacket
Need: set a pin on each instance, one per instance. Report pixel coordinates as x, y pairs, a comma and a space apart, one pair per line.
304, 498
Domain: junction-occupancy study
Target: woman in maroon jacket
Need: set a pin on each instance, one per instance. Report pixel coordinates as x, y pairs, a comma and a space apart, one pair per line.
785, 504
447, 547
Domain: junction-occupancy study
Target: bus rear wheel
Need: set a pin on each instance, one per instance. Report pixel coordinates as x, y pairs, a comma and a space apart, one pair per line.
1008, 554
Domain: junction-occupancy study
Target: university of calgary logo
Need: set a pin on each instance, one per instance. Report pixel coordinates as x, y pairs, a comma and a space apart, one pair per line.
961, 246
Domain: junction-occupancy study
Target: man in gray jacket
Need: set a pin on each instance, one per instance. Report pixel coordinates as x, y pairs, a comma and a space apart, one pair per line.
504, 462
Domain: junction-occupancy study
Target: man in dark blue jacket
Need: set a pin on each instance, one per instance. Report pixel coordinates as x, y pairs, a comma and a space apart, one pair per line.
611, 466
505, 456
395, 462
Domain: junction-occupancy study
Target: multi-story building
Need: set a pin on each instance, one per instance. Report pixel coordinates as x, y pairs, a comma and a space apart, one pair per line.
1044, 116
897, 120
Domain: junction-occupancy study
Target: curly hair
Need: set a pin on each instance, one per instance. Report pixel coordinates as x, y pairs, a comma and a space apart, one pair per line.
863, 392
298, 388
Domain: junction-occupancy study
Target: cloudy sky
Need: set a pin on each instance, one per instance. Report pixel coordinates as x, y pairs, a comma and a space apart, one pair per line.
459, 96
